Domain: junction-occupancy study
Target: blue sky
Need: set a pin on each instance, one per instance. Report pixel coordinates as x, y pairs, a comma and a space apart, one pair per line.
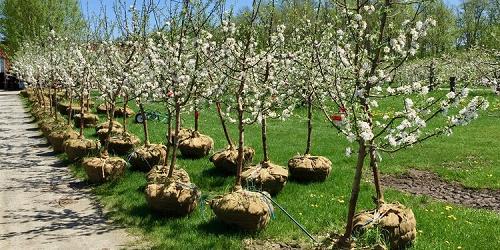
93, 6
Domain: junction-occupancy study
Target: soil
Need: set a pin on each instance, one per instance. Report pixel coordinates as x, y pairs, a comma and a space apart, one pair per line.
422, 182
159, 174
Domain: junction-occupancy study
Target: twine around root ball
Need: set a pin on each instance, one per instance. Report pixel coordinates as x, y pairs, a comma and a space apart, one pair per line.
396, 222
122, 144
145, 157
79, 148
57, 138
244, 209
100, 170
172, 198
266, 177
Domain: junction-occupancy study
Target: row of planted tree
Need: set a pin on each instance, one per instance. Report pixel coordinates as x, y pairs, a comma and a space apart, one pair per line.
251, 69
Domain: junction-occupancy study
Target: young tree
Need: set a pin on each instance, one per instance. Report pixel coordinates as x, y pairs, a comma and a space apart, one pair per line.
357, 63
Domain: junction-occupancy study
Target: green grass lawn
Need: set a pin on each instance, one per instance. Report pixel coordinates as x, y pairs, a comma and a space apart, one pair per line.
470, 156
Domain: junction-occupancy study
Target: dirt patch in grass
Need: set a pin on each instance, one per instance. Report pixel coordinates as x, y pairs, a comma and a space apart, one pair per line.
423, 182
253, 244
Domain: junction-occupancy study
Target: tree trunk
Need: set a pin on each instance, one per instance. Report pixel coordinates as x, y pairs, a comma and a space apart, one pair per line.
355, 190
224, 127
196, 118
105, 152
169, 136
241, 140
70, 111
144, 124
309, 125
176, 138
55, 106
376, 176
264, 139
125, 103
81, 115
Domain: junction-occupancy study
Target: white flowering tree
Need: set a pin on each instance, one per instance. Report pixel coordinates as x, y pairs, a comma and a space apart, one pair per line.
358, 60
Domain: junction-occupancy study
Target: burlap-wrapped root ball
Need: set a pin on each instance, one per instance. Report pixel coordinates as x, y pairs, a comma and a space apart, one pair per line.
39, 113
196, 146
105, 125
185, 133
226, 160
64, 108
119, 111
244, 209
122, 144
159, 174
57, 138
266, 177
103, 132
395, 220
100, 170
145, 157
46, 126
172, 198
89, 120
80, 148
309, 168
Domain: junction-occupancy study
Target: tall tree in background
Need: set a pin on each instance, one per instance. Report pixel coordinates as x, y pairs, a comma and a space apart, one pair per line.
479, 23
443, 37
28, 20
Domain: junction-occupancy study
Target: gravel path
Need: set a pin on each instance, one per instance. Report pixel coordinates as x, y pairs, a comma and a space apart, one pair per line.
41, 205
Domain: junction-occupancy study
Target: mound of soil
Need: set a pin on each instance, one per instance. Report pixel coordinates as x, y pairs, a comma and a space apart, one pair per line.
89, 120
105, 125
100, 170
309, 168
226, 160
124, 143
172, 198
39, 112
145, 157
395, 221
58, 137
159, 174
266, 177
244, 209
80, 148
422, 182
197, 146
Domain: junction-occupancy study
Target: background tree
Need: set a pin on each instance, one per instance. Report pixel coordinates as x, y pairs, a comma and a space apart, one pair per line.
18, 22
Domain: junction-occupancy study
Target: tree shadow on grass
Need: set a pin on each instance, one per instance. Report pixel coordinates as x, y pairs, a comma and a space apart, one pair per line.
217, 227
